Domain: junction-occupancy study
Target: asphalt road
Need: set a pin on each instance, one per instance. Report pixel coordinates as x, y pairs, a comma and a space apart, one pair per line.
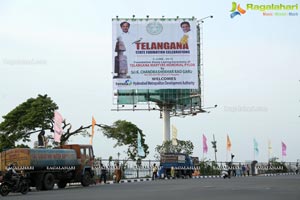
237, 188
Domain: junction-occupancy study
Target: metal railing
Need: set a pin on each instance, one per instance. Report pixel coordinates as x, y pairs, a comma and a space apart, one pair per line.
132, 169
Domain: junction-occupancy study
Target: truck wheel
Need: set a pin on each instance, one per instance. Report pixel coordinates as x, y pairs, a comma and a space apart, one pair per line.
86, 179
24, 187
61, 184
49, 181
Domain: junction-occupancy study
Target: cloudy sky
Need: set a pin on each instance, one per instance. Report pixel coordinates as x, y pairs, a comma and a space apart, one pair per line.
251, 71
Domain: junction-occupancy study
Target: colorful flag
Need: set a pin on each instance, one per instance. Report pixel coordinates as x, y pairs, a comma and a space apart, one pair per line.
174, 135
58, 131
283, 149
255, 146
141, 152
204, 144
93, 129
228, 144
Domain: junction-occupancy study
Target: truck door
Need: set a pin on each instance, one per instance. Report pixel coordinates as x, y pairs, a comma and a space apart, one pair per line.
87, 155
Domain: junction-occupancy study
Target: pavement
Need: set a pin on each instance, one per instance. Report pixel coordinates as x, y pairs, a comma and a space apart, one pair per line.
194, 177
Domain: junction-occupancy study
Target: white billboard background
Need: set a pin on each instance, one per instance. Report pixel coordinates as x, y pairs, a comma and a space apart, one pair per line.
174, 66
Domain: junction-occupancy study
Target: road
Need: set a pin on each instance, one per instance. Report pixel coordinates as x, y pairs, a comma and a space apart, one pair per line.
236, 188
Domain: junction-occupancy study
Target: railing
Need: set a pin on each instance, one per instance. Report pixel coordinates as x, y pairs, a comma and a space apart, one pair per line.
131, 169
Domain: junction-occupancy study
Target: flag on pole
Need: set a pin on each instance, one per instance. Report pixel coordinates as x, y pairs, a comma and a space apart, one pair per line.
269, 147
58, 131
204, 144
228, 144
93, 129
283, 149
141, 152
174, 135
256, 150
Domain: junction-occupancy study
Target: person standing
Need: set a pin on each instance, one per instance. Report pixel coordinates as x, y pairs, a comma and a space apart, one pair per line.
103, 174
244, 170
154, 171
41, 139
172, 172
248, 170
128, 38
118, 173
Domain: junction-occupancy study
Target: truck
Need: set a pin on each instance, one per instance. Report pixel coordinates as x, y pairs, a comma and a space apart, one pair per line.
182, 163
46, 167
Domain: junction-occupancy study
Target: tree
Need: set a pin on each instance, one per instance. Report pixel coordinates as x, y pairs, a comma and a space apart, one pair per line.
181, 147
37, 114
67, 133
32, 116
126, 134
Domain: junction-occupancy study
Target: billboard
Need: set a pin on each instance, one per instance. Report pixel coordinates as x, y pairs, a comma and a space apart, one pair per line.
154, 54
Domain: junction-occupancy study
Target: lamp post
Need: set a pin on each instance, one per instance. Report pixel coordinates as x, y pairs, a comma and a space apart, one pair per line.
214, 145
118, 156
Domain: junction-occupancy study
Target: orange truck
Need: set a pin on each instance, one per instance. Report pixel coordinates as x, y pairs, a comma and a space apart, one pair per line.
47, 167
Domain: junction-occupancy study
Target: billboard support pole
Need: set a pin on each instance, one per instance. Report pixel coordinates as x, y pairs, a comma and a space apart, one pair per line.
166, 117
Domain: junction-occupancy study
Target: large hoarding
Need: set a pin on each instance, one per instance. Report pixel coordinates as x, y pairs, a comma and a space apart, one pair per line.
154, 54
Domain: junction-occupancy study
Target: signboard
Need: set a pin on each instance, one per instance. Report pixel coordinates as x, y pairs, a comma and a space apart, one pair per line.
154, 54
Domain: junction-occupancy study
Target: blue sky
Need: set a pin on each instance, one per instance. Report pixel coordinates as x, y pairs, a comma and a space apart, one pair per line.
251, 70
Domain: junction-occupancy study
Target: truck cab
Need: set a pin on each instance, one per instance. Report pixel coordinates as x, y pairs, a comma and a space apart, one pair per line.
85, 153
85, 156
182, 163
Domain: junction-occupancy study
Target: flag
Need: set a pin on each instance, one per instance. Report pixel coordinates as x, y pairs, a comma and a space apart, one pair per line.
174, 135
58, 131
255, 146
204, 144
141, 152
283, 149
228, 144
93, 129
269, 147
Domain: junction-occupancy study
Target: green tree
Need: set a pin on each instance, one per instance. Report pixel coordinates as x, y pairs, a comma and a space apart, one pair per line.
126, 134
27, 118
181, 147
37, 114
32, 116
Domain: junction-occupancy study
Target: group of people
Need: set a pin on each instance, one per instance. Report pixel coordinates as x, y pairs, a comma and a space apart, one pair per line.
155, 172
234, 171
117, 173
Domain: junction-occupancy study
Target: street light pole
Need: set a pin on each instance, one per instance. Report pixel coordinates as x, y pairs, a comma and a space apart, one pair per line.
214, 143
118, 156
